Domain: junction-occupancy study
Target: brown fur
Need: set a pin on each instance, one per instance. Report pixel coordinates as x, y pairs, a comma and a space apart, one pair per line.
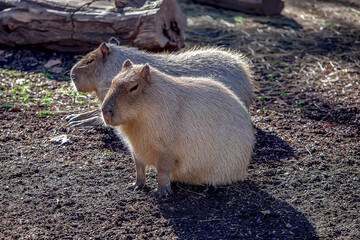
192, 130
96, 70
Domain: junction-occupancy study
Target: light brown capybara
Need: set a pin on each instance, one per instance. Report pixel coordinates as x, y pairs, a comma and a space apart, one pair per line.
95, 71
192, 130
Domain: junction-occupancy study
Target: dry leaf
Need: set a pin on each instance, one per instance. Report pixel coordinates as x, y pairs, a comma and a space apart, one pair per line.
56, 70
266, 212
330, 68
51, 63
280, 101
280, 150
15, 109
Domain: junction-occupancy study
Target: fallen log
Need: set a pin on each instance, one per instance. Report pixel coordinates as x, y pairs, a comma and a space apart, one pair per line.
262, 7
79, 26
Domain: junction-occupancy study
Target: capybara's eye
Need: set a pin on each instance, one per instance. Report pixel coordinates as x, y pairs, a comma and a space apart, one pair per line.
90, 61
134, 88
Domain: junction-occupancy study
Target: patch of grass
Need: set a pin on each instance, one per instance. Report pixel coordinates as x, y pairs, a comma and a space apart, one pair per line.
24, 90
270, 77
239, 19
95, 100
47, 99
279, 63
261, 110
283, 94
46, 114
3, 88
262, 97
328, 25
299, 103
25, 97
6, 104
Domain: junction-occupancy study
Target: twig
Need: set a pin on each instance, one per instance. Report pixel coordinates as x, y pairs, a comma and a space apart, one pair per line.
308, 150
208, 220
321, 67
191, 191
355, 11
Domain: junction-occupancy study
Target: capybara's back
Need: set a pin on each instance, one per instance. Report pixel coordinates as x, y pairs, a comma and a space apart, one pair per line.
227, 67
97, 69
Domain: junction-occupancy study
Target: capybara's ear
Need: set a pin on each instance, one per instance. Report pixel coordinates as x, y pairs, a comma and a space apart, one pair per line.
127, 64
145, 72
104, 48
114, 41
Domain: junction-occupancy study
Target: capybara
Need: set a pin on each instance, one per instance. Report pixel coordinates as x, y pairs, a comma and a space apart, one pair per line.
193, 130
95, 71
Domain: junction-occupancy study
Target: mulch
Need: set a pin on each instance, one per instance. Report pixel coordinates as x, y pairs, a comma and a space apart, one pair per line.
59, 182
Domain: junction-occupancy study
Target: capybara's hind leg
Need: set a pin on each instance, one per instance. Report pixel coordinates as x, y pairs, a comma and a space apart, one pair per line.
164, 166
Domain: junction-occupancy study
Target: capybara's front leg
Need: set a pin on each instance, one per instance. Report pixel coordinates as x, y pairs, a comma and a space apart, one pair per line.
90, 122
140, 174
82, 116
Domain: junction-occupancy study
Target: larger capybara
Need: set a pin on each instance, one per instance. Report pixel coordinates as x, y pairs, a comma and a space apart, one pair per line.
95, 71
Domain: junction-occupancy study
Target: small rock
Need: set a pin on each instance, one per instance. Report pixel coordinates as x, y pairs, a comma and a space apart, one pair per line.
62, 139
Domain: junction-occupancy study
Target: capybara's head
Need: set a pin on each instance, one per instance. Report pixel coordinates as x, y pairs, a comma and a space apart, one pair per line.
127, 96
93, 67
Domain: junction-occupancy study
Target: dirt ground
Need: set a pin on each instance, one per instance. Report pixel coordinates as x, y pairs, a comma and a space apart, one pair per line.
59, 182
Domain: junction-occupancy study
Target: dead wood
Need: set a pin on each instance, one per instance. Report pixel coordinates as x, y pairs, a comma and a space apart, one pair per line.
262, 7
79, 26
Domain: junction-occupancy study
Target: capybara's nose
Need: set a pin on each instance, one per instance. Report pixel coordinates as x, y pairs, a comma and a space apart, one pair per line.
107, 111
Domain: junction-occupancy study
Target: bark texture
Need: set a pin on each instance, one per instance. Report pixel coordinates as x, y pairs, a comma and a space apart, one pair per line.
262, 7
79, 26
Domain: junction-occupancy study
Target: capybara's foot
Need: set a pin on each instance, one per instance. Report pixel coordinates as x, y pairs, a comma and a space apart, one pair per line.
163, 191
91, 122
135, 186
76, 117
68, 118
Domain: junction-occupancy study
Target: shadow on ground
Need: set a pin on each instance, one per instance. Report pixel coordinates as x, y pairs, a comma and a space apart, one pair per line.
241, 210
35, 59
281, 22
269, 148
324, 110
